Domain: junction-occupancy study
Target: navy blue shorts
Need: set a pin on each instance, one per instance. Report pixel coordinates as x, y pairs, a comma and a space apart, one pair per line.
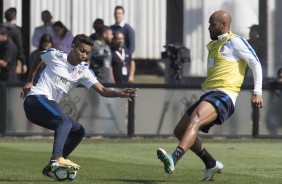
47, 113
222, 103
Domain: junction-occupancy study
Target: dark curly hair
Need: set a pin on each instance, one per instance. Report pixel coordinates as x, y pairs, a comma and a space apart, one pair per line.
82, 38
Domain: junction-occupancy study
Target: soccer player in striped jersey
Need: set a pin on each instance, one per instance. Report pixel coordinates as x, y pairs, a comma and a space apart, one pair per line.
62, 73
228, 56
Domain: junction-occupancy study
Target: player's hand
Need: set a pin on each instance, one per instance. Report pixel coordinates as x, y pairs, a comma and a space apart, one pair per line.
257, 101
26, 89
128, 93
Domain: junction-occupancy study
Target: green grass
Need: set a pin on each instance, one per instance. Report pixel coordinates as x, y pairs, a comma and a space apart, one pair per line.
134, 161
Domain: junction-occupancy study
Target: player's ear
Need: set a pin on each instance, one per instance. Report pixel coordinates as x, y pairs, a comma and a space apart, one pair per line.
225, 24
72, 46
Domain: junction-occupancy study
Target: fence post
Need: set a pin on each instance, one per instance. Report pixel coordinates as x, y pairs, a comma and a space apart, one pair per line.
1, 10
26, 17
1, 107
131, 117
255, 122
3, 110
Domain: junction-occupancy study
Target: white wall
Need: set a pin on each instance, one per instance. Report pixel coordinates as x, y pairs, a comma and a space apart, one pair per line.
196, 16
272, 69
147, 17
13, 3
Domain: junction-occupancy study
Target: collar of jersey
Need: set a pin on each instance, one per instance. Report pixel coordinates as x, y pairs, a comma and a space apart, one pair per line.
221, 37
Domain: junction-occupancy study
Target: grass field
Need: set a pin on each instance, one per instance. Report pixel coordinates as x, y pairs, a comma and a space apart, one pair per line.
134, 161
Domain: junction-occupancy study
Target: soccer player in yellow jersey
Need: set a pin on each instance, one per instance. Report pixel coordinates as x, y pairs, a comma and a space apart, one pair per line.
228, 56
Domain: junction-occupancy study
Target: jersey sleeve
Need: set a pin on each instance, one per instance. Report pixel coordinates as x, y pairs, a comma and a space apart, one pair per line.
47, 55
89, 79
242, 49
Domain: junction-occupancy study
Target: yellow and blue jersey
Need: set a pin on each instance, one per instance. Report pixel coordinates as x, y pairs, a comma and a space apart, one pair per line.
227, 60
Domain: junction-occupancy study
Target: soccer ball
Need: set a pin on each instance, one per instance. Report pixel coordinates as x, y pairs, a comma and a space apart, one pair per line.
72, 175
62, 173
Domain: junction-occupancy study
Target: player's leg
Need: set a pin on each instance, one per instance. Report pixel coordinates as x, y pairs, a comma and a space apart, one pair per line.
75, 136
197, 147
195, 143
187, 131
212, 166
170, 160
62, 125
49, 114
223, 104
204, 114
203, 154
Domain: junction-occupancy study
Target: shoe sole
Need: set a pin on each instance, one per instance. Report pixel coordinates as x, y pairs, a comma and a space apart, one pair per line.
162, 156
68, 167
211, 178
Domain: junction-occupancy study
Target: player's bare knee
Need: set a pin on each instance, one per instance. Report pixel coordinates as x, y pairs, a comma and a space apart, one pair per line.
195, 121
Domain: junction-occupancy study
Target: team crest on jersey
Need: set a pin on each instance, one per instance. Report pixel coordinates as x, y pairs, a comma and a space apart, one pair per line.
81, 68
59, 55
74, 73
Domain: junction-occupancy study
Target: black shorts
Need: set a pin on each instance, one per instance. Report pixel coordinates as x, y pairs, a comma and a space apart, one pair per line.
222, 103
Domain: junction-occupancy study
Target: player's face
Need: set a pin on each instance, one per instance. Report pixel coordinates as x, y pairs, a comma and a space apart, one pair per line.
119, 15
215, 28
80, 52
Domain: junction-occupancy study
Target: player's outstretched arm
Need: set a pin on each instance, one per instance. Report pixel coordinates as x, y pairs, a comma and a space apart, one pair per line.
29, 83
106, 92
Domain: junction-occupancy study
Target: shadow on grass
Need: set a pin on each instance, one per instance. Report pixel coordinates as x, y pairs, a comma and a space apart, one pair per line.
266, 169
141, 181
23, 180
